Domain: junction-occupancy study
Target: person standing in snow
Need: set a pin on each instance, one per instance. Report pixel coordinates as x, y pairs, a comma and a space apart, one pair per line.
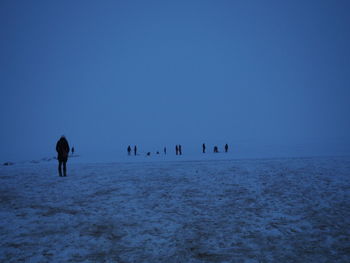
164, 150
180, 149
177, 150
135, 150
226, 148
129, 150
73, 150
62, 148
203, 147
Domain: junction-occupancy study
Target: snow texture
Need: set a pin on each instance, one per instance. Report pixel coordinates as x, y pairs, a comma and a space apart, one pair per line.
268, 210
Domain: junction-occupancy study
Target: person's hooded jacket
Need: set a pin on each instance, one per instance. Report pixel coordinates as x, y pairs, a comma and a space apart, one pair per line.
62, 148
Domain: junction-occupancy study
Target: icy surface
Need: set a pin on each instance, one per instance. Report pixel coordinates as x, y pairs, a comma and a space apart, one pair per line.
272, 210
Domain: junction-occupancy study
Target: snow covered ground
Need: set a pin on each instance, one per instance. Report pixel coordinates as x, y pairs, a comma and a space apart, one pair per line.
268, 210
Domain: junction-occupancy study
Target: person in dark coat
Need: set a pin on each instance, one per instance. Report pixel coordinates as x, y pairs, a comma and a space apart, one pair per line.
226, 148
135, 150
180, 149
129, 150
216, 150
177, 150
164, 150
62, 148
73, 150
203, 147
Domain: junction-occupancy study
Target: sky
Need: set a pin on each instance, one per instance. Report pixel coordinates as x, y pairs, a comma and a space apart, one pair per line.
270, 78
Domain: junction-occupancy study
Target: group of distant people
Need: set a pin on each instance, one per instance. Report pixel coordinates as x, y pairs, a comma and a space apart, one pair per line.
178, 149
216, 149
62, 148
129, 150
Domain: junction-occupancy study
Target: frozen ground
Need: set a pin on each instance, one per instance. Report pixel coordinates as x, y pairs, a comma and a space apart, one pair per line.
277, 210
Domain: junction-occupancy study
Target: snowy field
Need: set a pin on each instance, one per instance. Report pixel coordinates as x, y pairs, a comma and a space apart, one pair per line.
268, 210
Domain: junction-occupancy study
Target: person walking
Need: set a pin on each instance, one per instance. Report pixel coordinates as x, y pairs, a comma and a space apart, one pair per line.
135, 150
62, 149
226, 148
203, 147
129, 150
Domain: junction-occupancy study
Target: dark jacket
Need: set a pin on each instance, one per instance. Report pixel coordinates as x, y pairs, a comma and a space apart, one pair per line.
62, 149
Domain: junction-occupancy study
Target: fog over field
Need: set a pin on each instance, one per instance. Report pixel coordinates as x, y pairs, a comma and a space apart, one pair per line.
270, 78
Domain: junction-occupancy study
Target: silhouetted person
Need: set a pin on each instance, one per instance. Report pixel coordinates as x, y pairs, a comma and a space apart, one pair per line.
177, 149
62, 148
129, 150
149, 154
157, 152
73, 150
180, 149
226, 148
216, 149
203, 147
164, 150
135, 150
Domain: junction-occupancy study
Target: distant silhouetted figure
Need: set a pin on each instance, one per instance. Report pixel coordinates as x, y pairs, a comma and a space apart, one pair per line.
73, 150
177, 149
135, 150
180, 149
164, 150
157, 152
62, 148
129, 150
149, 154
216, 149
226, 148
203, 147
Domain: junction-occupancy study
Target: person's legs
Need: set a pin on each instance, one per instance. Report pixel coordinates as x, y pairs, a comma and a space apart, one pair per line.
65, 168
59, 167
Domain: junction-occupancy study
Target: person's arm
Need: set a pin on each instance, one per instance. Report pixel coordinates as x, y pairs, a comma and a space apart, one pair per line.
68, 147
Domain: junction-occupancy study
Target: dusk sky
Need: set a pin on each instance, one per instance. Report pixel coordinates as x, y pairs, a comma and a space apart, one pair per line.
271, 78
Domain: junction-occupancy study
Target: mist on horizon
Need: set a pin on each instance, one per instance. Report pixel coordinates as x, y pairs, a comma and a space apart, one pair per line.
269, 78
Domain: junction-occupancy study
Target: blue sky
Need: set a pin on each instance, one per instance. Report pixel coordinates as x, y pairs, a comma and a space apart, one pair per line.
271, 77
